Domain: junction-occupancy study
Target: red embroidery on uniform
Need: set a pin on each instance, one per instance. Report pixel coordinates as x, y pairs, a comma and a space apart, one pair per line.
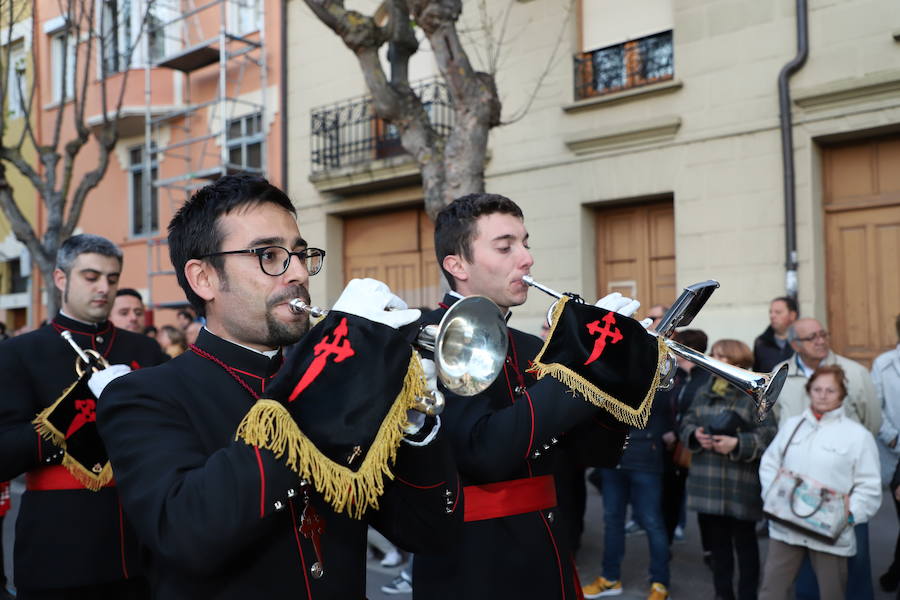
605, 332
87, 414
134, 365
339, 347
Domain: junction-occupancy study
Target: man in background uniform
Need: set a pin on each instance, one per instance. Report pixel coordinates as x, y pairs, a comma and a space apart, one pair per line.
71, 543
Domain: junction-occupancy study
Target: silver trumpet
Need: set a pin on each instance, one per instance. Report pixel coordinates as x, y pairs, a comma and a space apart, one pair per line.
763, 388
469, 347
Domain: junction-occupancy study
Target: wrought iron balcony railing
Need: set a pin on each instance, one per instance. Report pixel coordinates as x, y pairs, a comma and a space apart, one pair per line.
624, 66
349, 133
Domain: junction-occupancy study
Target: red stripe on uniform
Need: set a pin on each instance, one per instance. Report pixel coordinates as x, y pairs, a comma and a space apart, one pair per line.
262, 484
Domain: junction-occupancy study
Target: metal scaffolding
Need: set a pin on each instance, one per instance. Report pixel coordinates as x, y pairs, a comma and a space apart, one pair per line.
214, 118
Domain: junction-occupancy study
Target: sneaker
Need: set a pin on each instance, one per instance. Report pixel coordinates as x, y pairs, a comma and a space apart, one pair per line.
658, 592
402, 584
633, 528
601, 587
679, 534
392, 559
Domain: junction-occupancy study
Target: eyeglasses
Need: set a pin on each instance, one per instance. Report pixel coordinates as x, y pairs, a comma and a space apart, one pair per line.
275, 260
819, 335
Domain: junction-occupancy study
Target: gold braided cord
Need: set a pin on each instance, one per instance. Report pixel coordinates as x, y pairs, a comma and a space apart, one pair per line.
636, 417
89, 479
269, 425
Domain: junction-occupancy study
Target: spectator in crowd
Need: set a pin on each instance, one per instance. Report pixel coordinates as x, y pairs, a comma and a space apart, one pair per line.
656, 312
172, 340
151, 331
772, 346
3, 334
638, 478
192, 331
688, 380
720, 428
128, 310
184, 318
810, 341
886, 380
823, 444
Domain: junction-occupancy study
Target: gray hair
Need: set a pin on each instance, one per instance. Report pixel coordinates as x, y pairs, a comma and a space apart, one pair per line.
84, 243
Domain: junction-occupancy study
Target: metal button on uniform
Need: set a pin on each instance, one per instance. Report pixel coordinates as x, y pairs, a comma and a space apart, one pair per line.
535, 454
448, 510
279, 505
99, 339
291, 493
520, 390
317, 570
554, 441
550, 516
546, 446
447, 493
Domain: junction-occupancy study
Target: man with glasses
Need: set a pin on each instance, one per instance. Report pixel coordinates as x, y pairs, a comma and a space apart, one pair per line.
220, 516
810, 342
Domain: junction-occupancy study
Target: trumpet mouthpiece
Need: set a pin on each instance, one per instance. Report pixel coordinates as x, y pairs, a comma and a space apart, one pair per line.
528, 279
299, 306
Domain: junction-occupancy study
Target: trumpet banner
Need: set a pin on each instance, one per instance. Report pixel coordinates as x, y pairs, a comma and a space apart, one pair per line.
607, 358
71, 424
336, 410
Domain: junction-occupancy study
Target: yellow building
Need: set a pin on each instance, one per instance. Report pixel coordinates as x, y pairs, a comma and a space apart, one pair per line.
650, 158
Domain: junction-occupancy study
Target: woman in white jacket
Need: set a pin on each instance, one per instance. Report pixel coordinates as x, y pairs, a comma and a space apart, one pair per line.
838, 452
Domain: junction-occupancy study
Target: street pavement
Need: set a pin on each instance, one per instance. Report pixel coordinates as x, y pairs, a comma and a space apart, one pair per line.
691, 580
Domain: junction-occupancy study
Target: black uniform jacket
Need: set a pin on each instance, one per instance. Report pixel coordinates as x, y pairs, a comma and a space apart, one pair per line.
518, 428
219, 518
767, 353
64, 538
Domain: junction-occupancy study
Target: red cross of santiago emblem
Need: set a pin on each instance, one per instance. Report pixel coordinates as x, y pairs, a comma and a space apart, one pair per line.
606, 332
87, 413
339, 347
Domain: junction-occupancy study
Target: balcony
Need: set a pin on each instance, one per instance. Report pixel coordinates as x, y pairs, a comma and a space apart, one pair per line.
625, 66
347, 138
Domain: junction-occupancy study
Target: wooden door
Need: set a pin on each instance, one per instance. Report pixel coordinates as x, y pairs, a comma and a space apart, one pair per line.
636, 253
862, 245
397, 248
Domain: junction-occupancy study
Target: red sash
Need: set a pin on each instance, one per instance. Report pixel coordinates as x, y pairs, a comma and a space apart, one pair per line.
508, 498
54, 477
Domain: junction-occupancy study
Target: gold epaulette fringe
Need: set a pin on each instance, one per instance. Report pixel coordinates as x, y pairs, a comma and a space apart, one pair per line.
269, 425
636, 417
45, 429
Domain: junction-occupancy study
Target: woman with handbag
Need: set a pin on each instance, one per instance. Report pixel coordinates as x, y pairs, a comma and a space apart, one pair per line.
723, 484
819, 476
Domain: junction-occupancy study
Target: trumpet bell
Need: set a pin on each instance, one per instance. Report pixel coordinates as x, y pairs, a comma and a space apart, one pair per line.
469, 345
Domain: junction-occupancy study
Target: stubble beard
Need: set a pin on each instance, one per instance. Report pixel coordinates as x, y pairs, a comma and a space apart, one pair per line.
280, 333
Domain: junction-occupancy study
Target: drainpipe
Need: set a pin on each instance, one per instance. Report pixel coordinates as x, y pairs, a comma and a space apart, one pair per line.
283, 84
787, 150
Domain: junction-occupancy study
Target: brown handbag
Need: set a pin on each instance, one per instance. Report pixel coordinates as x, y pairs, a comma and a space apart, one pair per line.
681, 456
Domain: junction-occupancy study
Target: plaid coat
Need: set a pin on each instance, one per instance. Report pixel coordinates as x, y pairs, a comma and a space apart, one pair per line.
726, 485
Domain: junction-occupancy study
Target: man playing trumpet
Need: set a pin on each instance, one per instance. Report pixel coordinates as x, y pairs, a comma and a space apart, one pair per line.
252, 475
71, 541
518, 445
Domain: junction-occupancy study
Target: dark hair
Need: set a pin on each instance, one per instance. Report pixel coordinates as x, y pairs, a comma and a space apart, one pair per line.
185, 313
84, 243
737, 352
454, 227
789, 302
692, 338
150, 329
836, 371
194, 230
130, 292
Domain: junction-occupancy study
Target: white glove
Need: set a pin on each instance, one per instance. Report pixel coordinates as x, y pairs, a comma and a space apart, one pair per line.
100, 379
370, 299
618, 303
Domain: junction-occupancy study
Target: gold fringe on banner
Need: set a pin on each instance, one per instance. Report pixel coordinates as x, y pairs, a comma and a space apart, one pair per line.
92, 480
269, 425
636, 417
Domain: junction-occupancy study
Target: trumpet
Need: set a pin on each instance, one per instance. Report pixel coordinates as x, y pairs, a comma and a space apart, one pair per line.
469, 347
87, 359
763, 388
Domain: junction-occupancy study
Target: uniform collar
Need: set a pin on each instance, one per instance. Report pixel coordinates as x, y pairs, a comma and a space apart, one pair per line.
61, 321
239, 358
451, 297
